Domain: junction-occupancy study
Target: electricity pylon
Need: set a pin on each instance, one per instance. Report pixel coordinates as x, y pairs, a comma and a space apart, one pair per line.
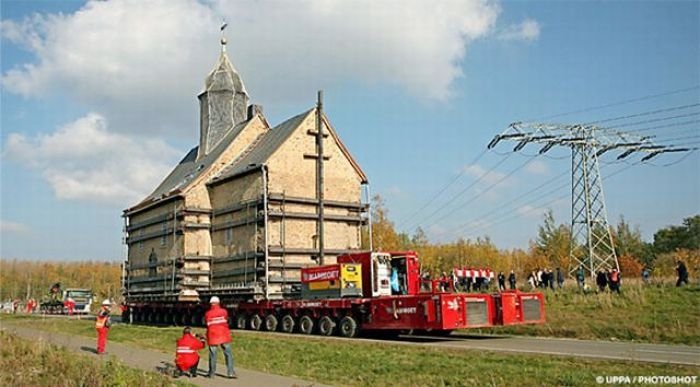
592, 244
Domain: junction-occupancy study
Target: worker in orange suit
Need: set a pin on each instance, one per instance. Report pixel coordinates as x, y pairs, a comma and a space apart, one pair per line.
102, 325
186, 356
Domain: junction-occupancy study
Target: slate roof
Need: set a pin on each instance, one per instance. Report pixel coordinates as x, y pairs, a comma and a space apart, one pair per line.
189, 168
262, 148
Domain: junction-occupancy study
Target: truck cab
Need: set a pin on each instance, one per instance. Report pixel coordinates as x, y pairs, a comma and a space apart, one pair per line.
83, 299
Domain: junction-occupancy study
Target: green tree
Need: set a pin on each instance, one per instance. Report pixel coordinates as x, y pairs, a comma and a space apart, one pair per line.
686, 236
553, 241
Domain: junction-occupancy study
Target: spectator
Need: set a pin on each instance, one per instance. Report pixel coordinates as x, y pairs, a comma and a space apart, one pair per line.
560, 278
531, 280
646, 273
580, 277
550, 279
614, 281
601, 280
682, 272
501, 281
511, 280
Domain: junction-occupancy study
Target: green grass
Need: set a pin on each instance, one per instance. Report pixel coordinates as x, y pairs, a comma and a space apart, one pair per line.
362, 363
25, 363
655, 313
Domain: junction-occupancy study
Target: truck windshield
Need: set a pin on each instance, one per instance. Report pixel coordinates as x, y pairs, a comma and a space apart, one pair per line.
79, 293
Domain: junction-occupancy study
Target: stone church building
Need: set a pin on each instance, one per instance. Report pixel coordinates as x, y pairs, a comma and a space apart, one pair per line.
249, 206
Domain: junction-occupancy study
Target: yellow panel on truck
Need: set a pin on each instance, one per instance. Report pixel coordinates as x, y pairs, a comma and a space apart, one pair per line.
332, 281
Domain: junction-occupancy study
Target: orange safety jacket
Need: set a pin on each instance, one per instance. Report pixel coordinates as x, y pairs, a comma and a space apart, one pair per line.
102, 320
217, 325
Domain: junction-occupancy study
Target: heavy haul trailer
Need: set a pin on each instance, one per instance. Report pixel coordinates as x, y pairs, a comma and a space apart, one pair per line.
390, 297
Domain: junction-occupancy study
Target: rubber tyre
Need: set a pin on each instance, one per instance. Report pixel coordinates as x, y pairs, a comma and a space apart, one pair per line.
306, 325
255, 322
271, 323
326, 326
288, 324
241, 322
348, 327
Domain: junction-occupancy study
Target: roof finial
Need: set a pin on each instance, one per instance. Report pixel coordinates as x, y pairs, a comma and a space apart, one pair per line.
223, 38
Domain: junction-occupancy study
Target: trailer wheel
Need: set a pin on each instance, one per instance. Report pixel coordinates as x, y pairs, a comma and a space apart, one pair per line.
255, 322
288, 324
271, 323
306, 325
241, 321
348, 327
326, 326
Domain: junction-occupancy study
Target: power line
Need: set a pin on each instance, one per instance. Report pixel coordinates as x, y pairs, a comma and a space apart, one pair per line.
618, 103
443, 189
505, 206
499, 181
665, 126
642, 114
453, 198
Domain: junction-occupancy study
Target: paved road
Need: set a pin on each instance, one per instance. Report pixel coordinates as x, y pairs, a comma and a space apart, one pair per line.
150, 360
654, 353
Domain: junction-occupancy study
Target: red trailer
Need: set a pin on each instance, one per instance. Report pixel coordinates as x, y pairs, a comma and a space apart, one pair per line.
393, 298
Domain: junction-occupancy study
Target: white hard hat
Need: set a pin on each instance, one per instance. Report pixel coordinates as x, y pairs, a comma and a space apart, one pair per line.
214, 300
106, 302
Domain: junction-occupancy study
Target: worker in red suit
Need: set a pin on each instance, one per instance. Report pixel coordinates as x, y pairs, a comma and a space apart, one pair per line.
218, 334
70, 305
102, 324
31, 304
186, 356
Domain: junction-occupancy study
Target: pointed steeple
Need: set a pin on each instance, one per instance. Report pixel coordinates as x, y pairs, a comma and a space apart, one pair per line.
223, 102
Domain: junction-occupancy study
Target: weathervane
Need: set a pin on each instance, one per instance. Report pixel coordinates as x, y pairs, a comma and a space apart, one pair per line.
223, 38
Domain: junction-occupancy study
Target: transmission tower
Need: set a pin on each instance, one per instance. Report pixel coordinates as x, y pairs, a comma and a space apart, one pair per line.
592, 244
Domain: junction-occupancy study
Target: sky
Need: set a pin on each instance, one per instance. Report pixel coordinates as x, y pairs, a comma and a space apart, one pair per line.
98, 103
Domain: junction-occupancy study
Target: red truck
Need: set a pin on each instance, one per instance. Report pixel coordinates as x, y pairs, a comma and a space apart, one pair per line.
380, 292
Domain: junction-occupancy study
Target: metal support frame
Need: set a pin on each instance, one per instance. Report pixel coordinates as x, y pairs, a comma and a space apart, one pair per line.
592, 244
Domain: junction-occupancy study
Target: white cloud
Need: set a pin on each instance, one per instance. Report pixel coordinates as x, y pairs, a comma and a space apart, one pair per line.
528, 30
85, 161
13, 227
141, 63
537, 167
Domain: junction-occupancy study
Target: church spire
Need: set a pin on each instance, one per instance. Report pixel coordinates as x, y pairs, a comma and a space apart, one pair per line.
223, 102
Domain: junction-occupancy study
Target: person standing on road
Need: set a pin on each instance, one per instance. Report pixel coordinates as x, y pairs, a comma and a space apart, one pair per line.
102, 325
186, 356
218, 334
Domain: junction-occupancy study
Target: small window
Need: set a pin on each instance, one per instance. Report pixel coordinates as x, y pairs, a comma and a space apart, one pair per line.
141, 241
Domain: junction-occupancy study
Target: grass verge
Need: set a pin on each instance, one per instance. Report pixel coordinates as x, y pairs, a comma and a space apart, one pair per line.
654, 313
362, 363
25, 363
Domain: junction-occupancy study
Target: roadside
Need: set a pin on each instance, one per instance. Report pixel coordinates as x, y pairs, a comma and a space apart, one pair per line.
151, 360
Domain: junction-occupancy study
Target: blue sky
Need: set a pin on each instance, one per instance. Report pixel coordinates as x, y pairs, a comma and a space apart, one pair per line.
99, 102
